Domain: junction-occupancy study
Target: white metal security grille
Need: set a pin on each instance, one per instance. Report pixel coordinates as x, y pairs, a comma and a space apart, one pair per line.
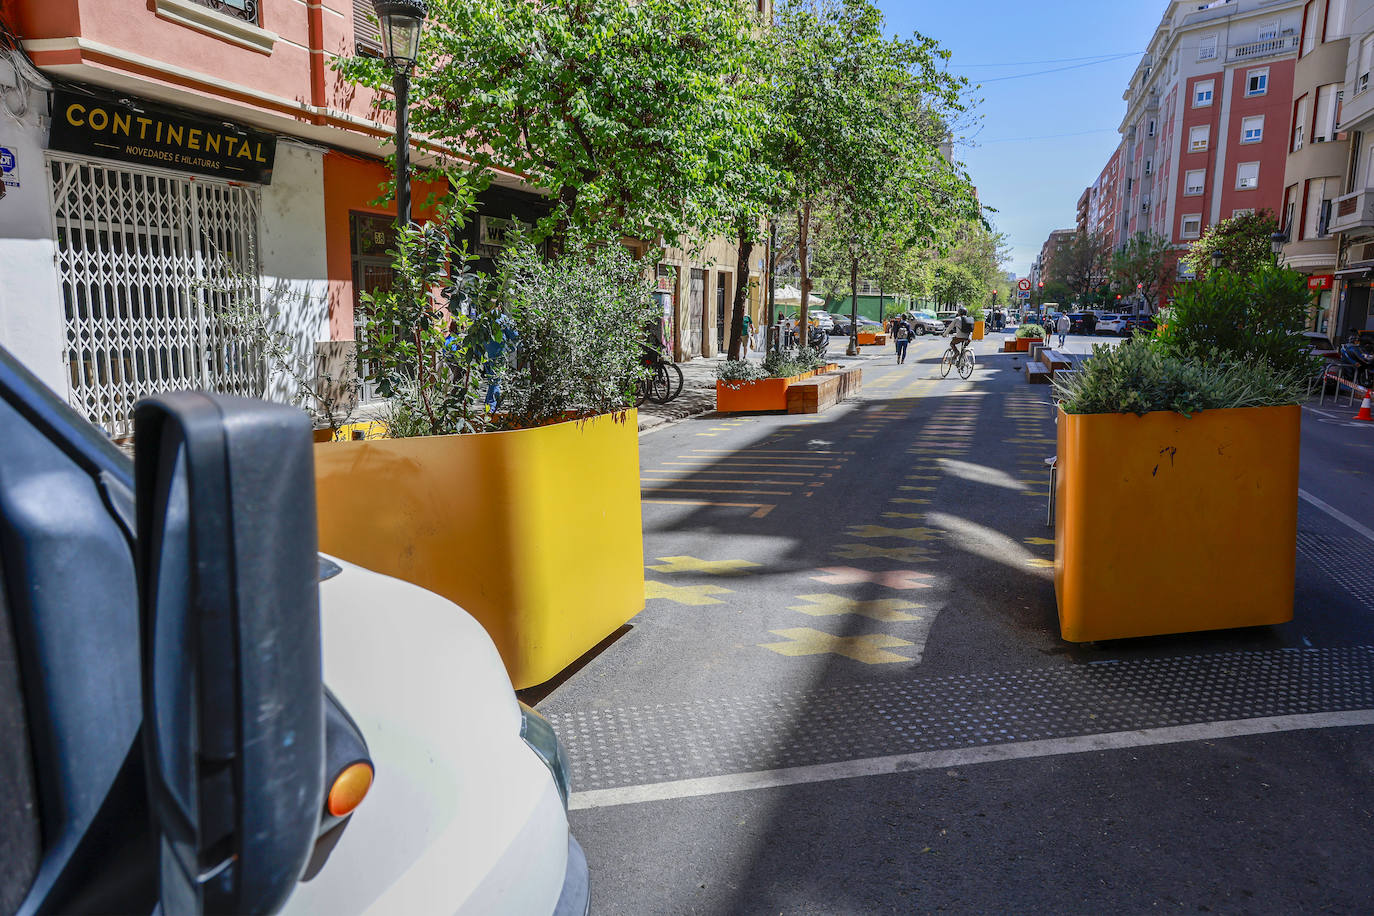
140, 254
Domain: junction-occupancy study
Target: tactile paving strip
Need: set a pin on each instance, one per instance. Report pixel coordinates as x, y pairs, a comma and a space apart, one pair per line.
1343, 559
658, 742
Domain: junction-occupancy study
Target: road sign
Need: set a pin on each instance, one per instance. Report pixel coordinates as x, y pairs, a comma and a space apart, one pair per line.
1023, 285
1024, 294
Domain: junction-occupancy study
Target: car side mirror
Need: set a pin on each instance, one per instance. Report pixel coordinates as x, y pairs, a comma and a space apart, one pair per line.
233, 697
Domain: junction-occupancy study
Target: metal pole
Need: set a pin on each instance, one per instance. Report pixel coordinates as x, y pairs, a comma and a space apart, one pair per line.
771, 341
400, 82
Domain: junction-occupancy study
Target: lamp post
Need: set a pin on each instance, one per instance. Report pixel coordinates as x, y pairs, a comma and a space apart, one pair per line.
1276, 245
401, 21
1216, 258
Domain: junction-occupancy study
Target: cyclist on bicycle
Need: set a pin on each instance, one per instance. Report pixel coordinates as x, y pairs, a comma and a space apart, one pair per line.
961, 327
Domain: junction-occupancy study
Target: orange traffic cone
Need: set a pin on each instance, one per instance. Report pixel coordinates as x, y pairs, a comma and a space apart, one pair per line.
1364, 413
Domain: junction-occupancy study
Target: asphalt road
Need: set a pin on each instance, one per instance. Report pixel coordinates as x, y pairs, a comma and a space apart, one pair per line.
848, 694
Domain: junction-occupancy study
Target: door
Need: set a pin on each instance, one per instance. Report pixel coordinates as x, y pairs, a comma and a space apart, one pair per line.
696, 314
722, 297
371, 235
148, 261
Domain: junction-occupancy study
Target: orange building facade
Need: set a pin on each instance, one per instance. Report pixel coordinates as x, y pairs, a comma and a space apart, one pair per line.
160, 152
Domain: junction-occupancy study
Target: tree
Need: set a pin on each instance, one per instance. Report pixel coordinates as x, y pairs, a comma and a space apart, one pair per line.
1142, 267
624, 111
1081, 261
1245, 243
859, 111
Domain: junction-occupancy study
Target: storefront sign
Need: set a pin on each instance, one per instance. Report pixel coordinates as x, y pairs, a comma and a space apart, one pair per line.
131, 130
492, 234
1320, 281
9, 167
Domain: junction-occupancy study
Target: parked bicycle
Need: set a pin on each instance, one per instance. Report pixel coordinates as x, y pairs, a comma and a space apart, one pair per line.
664, 381
953, 357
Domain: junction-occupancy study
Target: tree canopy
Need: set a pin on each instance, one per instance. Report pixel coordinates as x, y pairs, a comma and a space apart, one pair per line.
1245, 243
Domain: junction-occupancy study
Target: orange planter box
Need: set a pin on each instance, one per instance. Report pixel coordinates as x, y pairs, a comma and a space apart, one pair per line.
869, 339
1172, 524
759, 394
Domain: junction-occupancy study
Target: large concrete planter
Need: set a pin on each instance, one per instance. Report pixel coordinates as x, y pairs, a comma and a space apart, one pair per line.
535, 532
1171, 524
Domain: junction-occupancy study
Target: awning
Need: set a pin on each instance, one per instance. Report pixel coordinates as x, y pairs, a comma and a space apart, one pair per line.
1363, 270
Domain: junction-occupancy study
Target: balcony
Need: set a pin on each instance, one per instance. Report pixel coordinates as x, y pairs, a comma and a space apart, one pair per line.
1353, 211
1267, 48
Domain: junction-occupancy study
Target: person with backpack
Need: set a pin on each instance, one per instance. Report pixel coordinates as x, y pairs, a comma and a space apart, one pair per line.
1062, 327
901, 338
961, 329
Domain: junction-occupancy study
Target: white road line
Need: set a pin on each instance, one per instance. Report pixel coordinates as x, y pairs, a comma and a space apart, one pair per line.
1338, 515
934, 760
1321, 412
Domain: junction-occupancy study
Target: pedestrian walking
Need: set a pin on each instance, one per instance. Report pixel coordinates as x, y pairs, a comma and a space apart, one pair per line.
748, 329
1062, 327
901, 337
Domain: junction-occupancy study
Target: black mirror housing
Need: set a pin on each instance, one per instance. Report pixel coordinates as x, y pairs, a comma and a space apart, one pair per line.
233, 697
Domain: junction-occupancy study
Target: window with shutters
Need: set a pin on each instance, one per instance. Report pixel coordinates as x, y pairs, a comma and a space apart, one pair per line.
1252, 129
1198, 137
1202, 93
1247, 176
1309, 28
1193, 182
1257, 82
1328, 104
1366, 58
1207, 47
367, 33
1191, 227
1299, 123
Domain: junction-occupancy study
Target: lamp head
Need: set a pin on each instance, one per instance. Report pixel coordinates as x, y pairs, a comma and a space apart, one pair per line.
400, 22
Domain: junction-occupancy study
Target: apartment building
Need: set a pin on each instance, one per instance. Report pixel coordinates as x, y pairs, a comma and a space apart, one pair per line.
1205, 132
154, 153
1104, 210
1319, 151
1085, 201
1044, 265
1348, 308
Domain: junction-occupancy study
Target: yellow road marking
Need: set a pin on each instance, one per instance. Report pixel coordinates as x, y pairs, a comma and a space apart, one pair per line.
899, 499
692, 595
906, 534
760, 509
870, 649
901, 579
1039, 563
1039, 542
888, 610
870, 551
695, 564
712, 490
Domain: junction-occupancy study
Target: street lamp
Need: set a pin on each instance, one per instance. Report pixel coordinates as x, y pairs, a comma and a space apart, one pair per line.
1216, 258
401, 21
1276, 244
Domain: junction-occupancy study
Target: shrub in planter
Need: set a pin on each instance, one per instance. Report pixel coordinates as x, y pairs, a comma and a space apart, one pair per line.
1031, 331
1190, 460
530, 521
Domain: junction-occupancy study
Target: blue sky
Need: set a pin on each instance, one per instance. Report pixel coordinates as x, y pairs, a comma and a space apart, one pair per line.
1035, 183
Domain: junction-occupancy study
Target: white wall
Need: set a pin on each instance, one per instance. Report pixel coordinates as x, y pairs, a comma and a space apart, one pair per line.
292, 252
32, 326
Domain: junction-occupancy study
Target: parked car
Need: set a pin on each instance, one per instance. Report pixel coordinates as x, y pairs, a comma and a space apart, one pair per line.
1110, 324
927, 323
840, 326
1082, 323
1139, 322
205, 698
821, 318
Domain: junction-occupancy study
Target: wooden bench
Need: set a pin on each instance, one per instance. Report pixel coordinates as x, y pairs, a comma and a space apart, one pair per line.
1054, 360
822, 392
1038, 373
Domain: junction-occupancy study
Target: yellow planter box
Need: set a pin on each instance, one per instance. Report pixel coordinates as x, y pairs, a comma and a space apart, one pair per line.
1170, 524
535, 532
979, 328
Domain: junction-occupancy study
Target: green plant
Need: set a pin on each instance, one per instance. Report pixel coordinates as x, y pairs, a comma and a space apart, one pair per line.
1242, 316
581, 321
791, 362
1031, 330
1140, 376
739, 370
323, 381
417, 352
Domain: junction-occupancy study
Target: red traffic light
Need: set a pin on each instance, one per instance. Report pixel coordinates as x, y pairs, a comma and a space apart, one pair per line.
1118, 295
1140, 286
1042, 284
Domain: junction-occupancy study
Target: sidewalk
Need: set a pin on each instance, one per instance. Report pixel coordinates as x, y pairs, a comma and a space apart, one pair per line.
699, 384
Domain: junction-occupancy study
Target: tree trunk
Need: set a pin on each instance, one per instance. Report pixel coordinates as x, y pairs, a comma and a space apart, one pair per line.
803, 249
746, 248
854, 307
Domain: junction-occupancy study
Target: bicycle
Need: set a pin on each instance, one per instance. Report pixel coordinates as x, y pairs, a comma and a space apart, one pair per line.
662, 384
964, 360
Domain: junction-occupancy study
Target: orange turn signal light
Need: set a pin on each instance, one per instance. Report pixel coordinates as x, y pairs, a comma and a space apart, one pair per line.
349, 789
